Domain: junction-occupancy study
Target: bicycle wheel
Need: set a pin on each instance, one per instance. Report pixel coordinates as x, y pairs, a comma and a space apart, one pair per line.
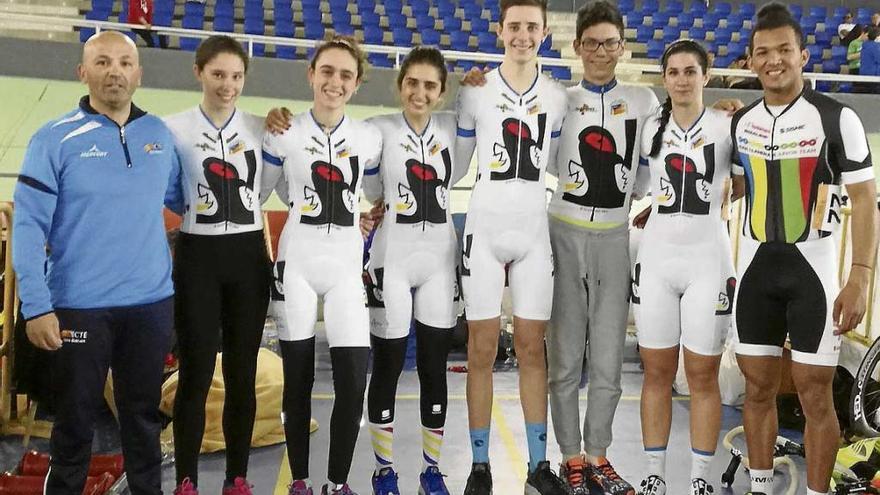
864, 403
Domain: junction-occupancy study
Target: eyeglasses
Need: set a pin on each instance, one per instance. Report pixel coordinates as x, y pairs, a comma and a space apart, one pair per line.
592, 45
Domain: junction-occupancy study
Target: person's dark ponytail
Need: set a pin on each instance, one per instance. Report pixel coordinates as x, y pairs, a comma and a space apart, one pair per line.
664, 121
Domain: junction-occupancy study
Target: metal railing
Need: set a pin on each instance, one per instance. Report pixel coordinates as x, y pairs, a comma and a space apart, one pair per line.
249, 40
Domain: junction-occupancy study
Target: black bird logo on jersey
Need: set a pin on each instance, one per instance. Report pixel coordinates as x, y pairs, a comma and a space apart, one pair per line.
724, 306
687, 190
332, 199
234, 197
602, 177
426, 189
519, 144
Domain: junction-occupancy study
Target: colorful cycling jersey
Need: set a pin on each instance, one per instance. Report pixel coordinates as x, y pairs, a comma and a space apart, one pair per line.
415, 176
688, 177
221, 171
795, 158
513, 140
322, 173
598, 153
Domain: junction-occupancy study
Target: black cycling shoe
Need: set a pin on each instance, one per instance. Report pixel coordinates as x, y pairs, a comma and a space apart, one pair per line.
479, 482
543, 481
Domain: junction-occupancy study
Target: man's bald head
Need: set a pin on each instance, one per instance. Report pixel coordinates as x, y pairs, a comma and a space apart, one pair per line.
99, 42
111, 69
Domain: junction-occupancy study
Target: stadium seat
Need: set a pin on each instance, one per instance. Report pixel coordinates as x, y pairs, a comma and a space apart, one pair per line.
710, 20
364, 6
451, 24
287, 52
471, 10
487, 42
723, 8
225, 24
370, 19
674, 6
459, 40
644, 34
379, 60
697, 33
823, 38
430, 37
373, 35
796, 10
747, 10
479, 25
561, 73
698, 8
655, 48
626, 6
659, 19
838, 54
396, 20
830, 67
314, 31
815, 56
823, 86
445, 8
402, 36
671, 33
425, 22
685, 20
723, 35
818, 11
734, 22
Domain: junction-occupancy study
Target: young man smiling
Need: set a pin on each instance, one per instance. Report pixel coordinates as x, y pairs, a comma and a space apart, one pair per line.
513, 122
796, 148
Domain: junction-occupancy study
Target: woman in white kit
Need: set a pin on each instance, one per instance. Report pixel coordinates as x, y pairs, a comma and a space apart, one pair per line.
683, 281
317, 167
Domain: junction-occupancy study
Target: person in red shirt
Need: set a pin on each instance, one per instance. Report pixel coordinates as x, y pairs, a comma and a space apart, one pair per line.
141, 12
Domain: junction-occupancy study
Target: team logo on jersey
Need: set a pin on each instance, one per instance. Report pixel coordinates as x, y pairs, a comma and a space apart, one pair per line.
407, 147
93, 152
424, 198
618, 107
435, 148
227, 197
583, 109
204, 147
311, 150
153, 148
532, 110
504, 107
724, 305
236, 148
520, 154
331, 201
343, 152
603, 177
700, 141
684, 189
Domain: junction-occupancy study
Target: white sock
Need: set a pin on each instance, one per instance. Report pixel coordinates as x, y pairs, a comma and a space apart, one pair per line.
700, 462
656, 461
814, 492
762, 480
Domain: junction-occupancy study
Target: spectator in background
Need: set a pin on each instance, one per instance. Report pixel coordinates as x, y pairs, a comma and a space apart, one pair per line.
870, 60
740, 82
714, 81
851, 35
875, 19
854, 51
846, 26
141, 12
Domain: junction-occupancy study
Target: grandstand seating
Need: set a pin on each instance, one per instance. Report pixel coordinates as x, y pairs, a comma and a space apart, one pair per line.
469, 25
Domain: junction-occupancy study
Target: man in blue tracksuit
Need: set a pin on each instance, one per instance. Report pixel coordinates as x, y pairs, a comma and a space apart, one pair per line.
93, 265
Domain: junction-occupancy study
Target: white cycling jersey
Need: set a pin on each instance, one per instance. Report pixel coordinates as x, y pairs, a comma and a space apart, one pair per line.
599, 153
514, 134
222, 170
688, 178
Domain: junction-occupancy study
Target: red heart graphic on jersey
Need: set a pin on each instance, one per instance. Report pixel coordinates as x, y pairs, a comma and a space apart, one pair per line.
677, 163
600, 142
422, 172
329, 172
223, 170
517, 128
